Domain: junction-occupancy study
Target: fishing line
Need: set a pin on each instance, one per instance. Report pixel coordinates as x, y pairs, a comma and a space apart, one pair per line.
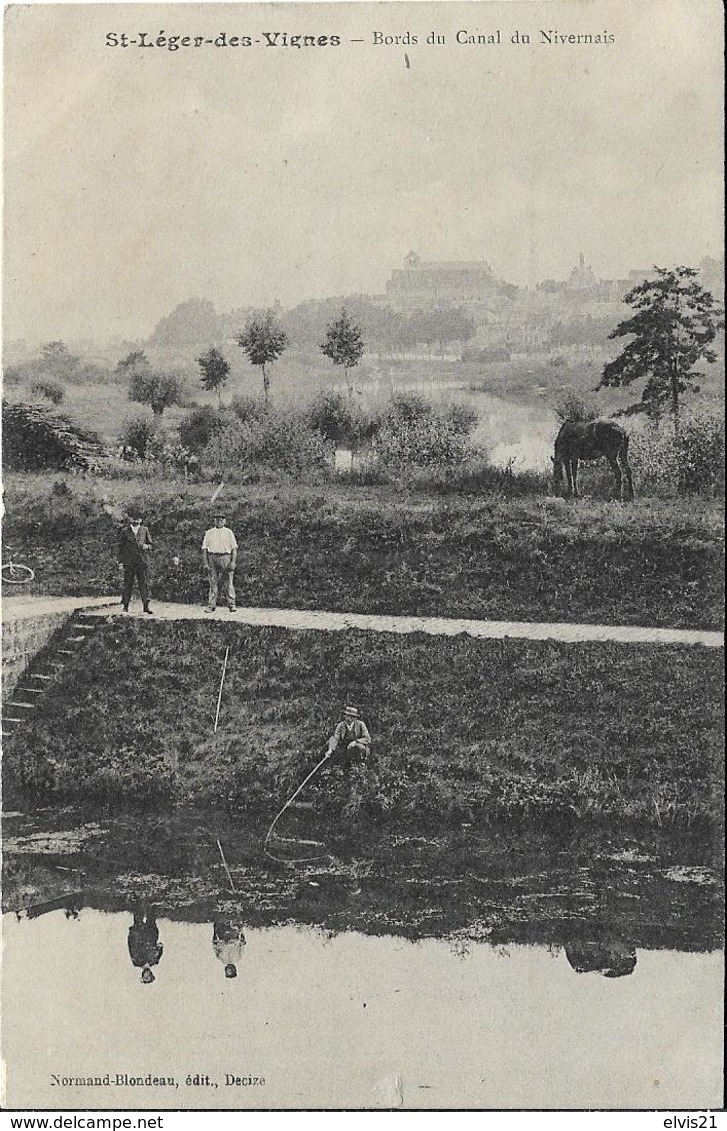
291, 840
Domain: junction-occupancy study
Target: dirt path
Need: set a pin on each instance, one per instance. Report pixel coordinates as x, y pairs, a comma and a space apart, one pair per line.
19, 609
434, 626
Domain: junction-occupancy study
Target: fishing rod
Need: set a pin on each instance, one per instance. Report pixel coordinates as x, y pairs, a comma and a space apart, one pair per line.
219, 697
224, 864
302, 859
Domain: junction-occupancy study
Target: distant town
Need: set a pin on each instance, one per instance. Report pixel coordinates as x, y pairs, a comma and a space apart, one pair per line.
488, 313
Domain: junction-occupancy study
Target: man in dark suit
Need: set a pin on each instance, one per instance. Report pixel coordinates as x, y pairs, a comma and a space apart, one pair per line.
144, 946
134, 545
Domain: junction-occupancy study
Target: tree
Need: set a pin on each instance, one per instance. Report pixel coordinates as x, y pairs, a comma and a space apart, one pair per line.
58, 358
214, 372
55, 351
159, 390
676, 319
450, 324
263, 340
421, 328
344, 345
134, 360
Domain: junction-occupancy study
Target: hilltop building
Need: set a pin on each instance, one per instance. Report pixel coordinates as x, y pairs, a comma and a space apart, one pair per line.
581, 277
422, 283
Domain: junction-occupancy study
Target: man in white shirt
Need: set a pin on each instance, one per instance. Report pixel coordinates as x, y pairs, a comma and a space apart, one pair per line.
228, 939
219, 552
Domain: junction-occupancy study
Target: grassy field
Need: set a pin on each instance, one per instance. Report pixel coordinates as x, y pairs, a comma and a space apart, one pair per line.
379, 549
534, 733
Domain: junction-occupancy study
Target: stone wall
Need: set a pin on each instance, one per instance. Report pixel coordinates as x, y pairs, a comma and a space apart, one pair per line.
23, 638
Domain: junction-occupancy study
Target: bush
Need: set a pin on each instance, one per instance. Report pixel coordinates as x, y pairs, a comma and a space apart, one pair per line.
475, 475
462, 417
137, 437
700, 448
13, 375
690, 462
277, 442
164, 450
574, 408
249, 409
413, 433
434, 443
332, 416
408, 408
52, 390
198, 427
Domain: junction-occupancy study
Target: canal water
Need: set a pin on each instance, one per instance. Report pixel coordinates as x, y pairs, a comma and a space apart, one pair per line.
582, 974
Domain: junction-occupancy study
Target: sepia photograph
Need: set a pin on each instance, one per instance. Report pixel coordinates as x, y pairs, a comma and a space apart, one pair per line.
362, 544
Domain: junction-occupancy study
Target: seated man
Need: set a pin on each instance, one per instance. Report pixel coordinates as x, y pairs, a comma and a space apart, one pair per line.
350, 738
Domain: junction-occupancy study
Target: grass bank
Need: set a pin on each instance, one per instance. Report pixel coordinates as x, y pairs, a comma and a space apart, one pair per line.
346, 548
475, 731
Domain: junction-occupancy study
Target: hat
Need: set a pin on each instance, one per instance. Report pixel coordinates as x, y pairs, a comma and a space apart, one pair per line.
219, 514
350, 710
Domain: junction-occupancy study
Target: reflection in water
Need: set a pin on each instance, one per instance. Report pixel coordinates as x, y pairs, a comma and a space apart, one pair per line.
612, 959
70, 904
347, 1020
407, 969
228, 940
603, 888
144, 946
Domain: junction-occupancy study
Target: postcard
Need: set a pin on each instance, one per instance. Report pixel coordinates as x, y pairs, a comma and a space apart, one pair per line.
363, 393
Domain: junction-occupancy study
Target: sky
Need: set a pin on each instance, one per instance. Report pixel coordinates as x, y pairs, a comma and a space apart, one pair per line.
135, 178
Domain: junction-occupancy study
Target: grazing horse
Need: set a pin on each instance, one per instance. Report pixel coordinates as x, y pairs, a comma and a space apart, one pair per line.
580, 441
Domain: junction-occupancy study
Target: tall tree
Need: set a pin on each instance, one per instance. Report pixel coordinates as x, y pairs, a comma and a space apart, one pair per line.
263, 340
344, 345
674, 324
214, 372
